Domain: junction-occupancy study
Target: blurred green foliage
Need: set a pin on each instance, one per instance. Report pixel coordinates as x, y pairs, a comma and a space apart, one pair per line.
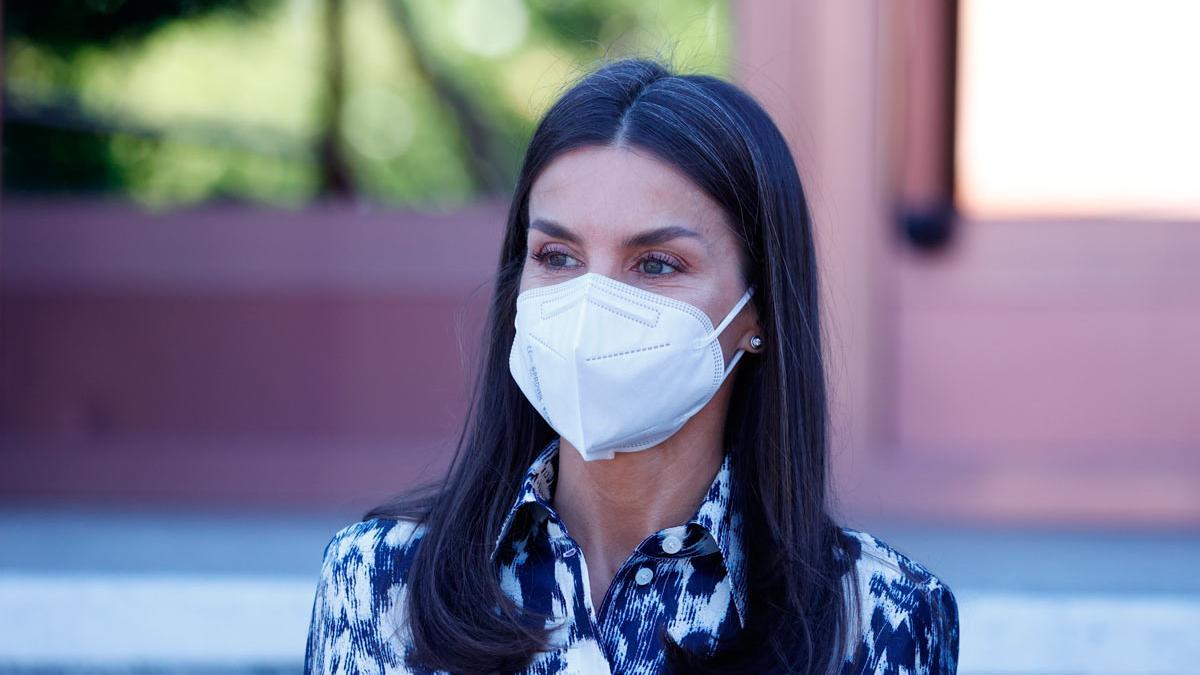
403, 102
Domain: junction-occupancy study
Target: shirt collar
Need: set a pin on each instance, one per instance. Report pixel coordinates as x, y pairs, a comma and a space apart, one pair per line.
717, 516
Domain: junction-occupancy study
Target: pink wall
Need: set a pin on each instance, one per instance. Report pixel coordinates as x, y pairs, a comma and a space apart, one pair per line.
233, 353
1036, 370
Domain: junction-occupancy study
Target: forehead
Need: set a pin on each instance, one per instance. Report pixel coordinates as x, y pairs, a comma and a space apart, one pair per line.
621, 190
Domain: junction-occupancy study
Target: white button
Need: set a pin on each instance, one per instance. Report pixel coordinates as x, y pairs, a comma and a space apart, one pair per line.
672, 544
643, 576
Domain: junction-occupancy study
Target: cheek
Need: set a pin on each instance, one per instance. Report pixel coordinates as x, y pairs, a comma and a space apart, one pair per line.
523, 281
532, 276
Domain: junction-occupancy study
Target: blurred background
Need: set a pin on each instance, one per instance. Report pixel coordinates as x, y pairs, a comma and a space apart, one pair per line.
245, 250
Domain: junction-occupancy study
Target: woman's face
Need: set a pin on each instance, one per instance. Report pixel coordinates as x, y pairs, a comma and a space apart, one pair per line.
625, 214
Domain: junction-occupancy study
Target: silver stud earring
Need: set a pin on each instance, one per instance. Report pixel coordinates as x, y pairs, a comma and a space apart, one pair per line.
756, 342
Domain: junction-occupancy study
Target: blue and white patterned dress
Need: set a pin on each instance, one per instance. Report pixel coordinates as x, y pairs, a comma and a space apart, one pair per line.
689, 578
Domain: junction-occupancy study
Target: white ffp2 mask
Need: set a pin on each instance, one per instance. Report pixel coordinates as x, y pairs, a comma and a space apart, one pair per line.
615, 368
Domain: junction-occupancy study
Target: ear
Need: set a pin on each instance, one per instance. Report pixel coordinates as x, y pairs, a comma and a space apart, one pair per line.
753, 340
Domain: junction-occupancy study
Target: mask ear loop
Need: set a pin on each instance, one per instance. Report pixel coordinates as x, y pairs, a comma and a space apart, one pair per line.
732, 362
725, 322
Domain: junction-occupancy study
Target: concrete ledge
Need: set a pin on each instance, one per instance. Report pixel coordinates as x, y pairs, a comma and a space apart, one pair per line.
1044, 633
74, 622
120, 623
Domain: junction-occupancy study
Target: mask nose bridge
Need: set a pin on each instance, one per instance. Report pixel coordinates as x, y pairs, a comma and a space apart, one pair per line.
560, 297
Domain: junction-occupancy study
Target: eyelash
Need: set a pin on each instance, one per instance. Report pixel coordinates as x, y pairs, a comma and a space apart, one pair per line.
541, 256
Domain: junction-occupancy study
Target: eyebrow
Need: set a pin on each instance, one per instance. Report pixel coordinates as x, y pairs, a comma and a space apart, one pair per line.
646, 238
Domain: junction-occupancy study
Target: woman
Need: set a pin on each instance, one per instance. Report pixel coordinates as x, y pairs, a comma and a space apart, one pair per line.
642, 486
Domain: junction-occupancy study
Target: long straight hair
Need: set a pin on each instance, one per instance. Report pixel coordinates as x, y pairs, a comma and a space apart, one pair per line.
802, 591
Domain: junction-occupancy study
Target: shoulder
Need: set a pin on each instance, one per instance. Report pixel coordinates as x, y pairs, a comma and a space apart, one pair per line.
909, 616
375, 545
355, 623
874, 555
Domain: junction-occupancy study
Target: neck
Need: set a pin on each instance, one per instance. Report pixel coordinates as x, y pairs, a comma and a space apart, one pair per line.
610, 506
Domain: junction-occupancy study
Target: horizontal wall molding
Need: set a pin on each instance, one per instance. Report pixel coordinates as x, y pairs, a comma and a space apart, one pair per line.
101, 244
